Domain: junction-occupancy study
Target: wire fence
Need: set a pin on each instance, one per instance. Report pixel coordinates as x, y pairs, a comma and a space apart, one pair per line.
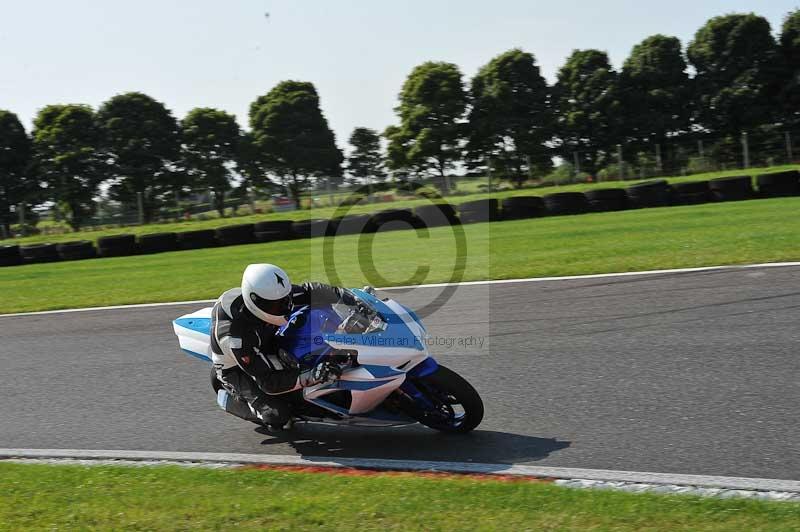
700, 154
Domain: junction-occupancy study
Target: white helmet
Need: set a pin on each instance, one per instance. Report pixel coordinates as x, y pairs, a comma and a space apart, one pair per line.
267, 292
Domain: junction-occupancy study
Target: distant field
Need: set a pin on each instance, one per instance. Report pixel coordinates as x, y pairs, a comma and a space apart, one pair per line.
328, 212
172, 498
713, 234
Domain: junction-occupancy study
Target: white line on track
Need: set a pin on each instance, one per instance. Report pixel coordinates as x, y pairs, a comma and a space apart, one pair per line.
441, 285
602, 475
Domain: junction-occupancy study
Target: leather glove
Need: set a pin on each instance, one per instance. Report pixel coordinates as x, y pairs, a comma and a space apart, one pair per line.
322, 372
349, 298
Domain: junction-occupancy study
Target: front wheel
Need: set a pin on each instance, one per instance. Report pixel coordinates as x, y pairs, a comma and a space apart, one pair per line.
458, 407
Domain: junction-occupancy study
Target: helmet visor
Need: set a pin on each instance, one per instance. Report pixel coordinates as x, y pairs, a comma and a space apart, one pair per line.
274, 307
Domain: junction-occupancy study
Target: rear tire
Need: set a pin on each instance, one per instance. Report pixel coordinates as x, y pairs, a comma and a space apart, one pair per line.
449, 388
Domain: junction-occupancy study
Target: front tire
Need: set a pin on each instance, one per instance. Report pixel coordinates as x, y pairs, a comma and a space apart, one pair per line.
460, 408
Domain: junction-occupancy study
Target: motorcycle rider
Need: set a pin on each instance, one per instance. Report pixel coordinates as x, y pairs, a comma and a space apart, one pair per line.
244, 344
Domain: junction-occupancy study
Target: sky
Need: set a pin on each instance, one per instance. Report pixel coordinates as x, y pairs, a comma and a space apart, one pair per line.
207, 53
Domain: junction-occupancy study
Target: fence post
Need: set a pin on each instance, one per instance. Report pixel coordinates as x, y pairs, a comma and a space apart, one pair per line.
620, 162
745, 150
528, 164
659, 162
789, 151
140, 206
576, 158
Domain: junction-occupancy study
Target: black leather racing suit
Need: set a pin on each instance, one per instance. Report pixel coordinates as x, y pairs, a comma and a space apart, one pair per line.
245, 353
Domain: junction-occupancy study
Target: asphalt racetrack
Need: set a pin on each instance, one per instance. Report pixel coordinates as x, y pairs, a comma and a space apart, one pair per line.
695, 373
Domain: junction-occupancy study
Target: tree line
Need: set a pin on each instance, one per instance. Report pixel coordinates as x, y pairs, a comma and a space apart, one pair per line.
735, 76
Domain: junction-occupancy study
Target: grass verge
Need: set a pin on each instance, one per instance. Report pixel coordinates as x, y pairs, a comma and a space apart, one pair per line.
329, 212
675, 237
172, 498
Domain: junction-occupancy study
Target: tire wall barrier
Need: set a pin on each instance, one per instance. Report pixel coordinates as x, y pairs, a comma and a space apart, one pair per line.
656, 193
202, 238
39, 253
272, 230
649, 194
313, 228
79, 250
394, 220
779, 184
731, 188
9, 256
691, 193
437, 215
353, 224
158, 243
566, 203
485, 210
522, 207
117, 245
233, 235
607, 199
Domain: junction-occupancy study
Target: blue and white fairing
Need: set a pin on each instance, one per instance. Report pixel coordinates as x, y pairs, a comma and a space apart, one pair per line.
385, 356
194, 333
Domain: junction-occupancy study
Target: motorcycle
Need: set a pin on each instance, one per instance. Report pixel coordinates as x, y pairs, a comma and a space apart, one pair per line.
388, 377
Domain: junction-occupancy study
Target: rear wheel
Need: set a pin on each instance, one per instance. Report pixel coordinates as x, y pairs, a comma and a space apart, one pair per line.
459, 408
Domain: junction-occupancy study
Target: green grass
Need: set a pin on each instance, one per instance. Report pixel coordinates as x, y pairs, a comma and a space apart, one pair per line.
170, 498
470, 185
673, 237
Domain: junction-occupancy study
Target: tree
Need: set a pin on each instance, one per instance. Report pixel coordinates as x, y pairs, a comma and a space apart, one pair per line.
432, 104
210, 149
734, 57
248, 160
65, 143
365, 162
16, 184
141, 142
293, 136
655, 90
586, 102
790, 55
510, 121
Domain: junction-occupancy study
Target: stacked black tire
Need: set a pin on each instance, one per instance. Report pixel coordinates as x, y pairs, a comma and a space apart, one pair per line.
691, 193
117, 245
10, 256
562, 203
649, 194
523, 207
234, 235
485, 210
394, 220
313, 228
39, 253
353, 224
607, 199
200, 239
779, 184
731, 188
437, 215
273, 230
158, 243
78, 250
